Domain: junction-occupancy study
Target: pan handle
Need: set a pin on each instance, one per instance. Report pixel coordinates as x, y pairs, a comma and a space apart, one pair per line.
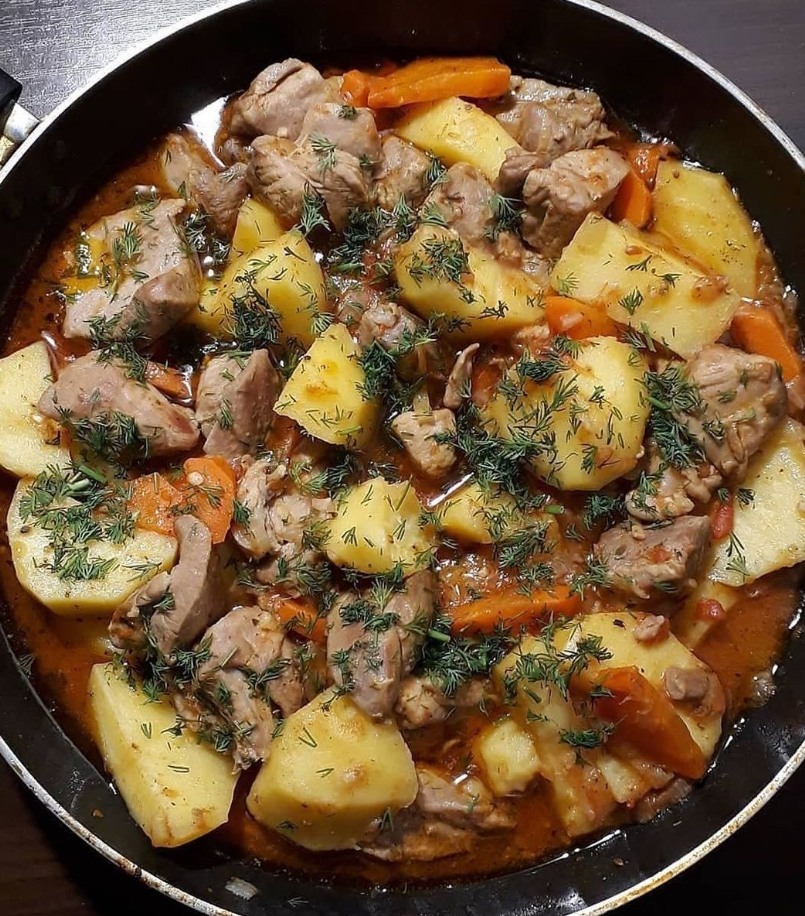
15, 122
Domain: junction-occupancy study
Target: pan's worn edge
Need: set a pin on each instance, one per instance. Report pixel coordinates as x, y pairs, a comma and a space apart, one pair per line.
620, 898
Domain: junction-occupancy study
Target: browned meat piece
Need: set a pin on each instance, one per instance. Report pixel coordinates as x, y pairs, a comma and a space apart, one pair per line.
188, 174
155, 277
422, 702
88, 390
403, 174
743, 399
175, 608
552, 120
329, 126
419, 434
387, 323
281, 176
652, 628
278, 99
458, 383
371, 649
684, 684
559, 197
652, 562
278, 514
463, 198
446, 817
276, 178
514, 171
235, 403
651, 804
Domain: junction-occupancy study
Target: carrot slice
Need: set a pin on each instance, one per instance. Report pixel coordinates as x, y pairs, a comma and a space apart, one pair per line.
154, 499
432, 78
512, 609
355, 86
633, 201
168, 380
757, 330
645, 159
722, 519
646, 718
577, 320
208, 493
302, 618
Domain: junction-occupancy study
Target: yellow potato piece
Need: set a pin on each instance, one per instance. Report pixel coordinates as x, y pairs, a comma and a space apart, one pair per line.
699, 212
325, 392
589, 419
507, 756
644, 286
457, 131
769, 533
489, 299
285, 273
377, 527
687, 624
256, 225
176, 788
26, 437
136, 561
331, 773
478, 515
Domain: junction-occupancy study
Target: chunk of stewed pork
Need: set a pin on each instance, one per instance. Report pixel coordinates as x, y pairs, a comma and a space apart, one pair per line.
425, 436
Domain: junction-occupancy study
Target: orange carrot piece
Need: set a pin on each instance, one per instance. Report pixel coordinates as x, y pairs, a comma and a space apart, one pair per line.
757, 330
432, 78
154, 499
512, 609
355, 86
722, 519
302, 618
646, 718
168, 380
633, 201
208, 493
645, 159
577, 320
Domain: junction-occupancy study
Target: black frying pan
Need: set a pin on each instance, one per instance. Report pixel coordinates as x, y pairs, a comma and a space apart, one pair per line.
647, 79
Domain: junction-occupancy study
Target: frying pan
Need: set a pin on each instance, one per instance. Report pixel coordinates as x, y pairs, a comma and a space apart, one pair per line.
648, 80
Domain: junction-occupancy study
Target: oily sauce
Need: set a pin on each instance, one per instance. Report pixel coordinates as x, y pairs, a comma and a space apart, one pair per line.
64, 649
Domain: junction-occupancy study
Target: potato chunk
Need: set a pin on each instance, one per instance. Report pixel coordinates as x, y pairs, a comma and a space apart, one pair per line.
477, 515
176, 788
689, 624
769, 532
135, 562
27, 438
588, 420
478, 296
457, 131
331, 773
644, 286
325, 394
507, 755
256, 225
284, 273
377, 527
699, 212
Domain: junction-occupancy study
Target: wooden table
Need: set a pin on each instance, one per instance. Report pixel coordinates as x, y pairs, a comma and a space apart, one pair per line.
52, 46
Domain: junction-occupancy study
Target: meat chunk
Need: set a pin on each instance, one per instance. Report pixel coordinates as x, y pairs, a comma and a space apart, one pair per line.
514, 171
742, 401
250, 667
172, 610
278, 99
403, 174
235, 402
338, 177
371, 649
219, 193
422, 702
651, 562
551, 120
420, 435
387, 323
330, 126
155, 278
559, 197
458, 382
652, 628
446, 817
276, 178
685, 684
99, 395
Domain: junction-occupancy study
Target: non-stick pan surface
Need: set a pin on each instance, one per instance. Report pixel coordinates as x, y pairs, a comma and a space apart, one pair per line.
646, 79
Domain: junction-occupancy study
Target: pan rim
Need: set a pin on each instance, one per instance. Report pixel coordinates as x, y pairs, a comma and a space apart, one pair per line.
618, 899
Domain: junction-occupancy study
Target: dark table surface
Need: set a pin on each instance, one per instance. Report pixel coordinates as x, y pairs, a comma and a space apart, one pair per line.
53, 46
